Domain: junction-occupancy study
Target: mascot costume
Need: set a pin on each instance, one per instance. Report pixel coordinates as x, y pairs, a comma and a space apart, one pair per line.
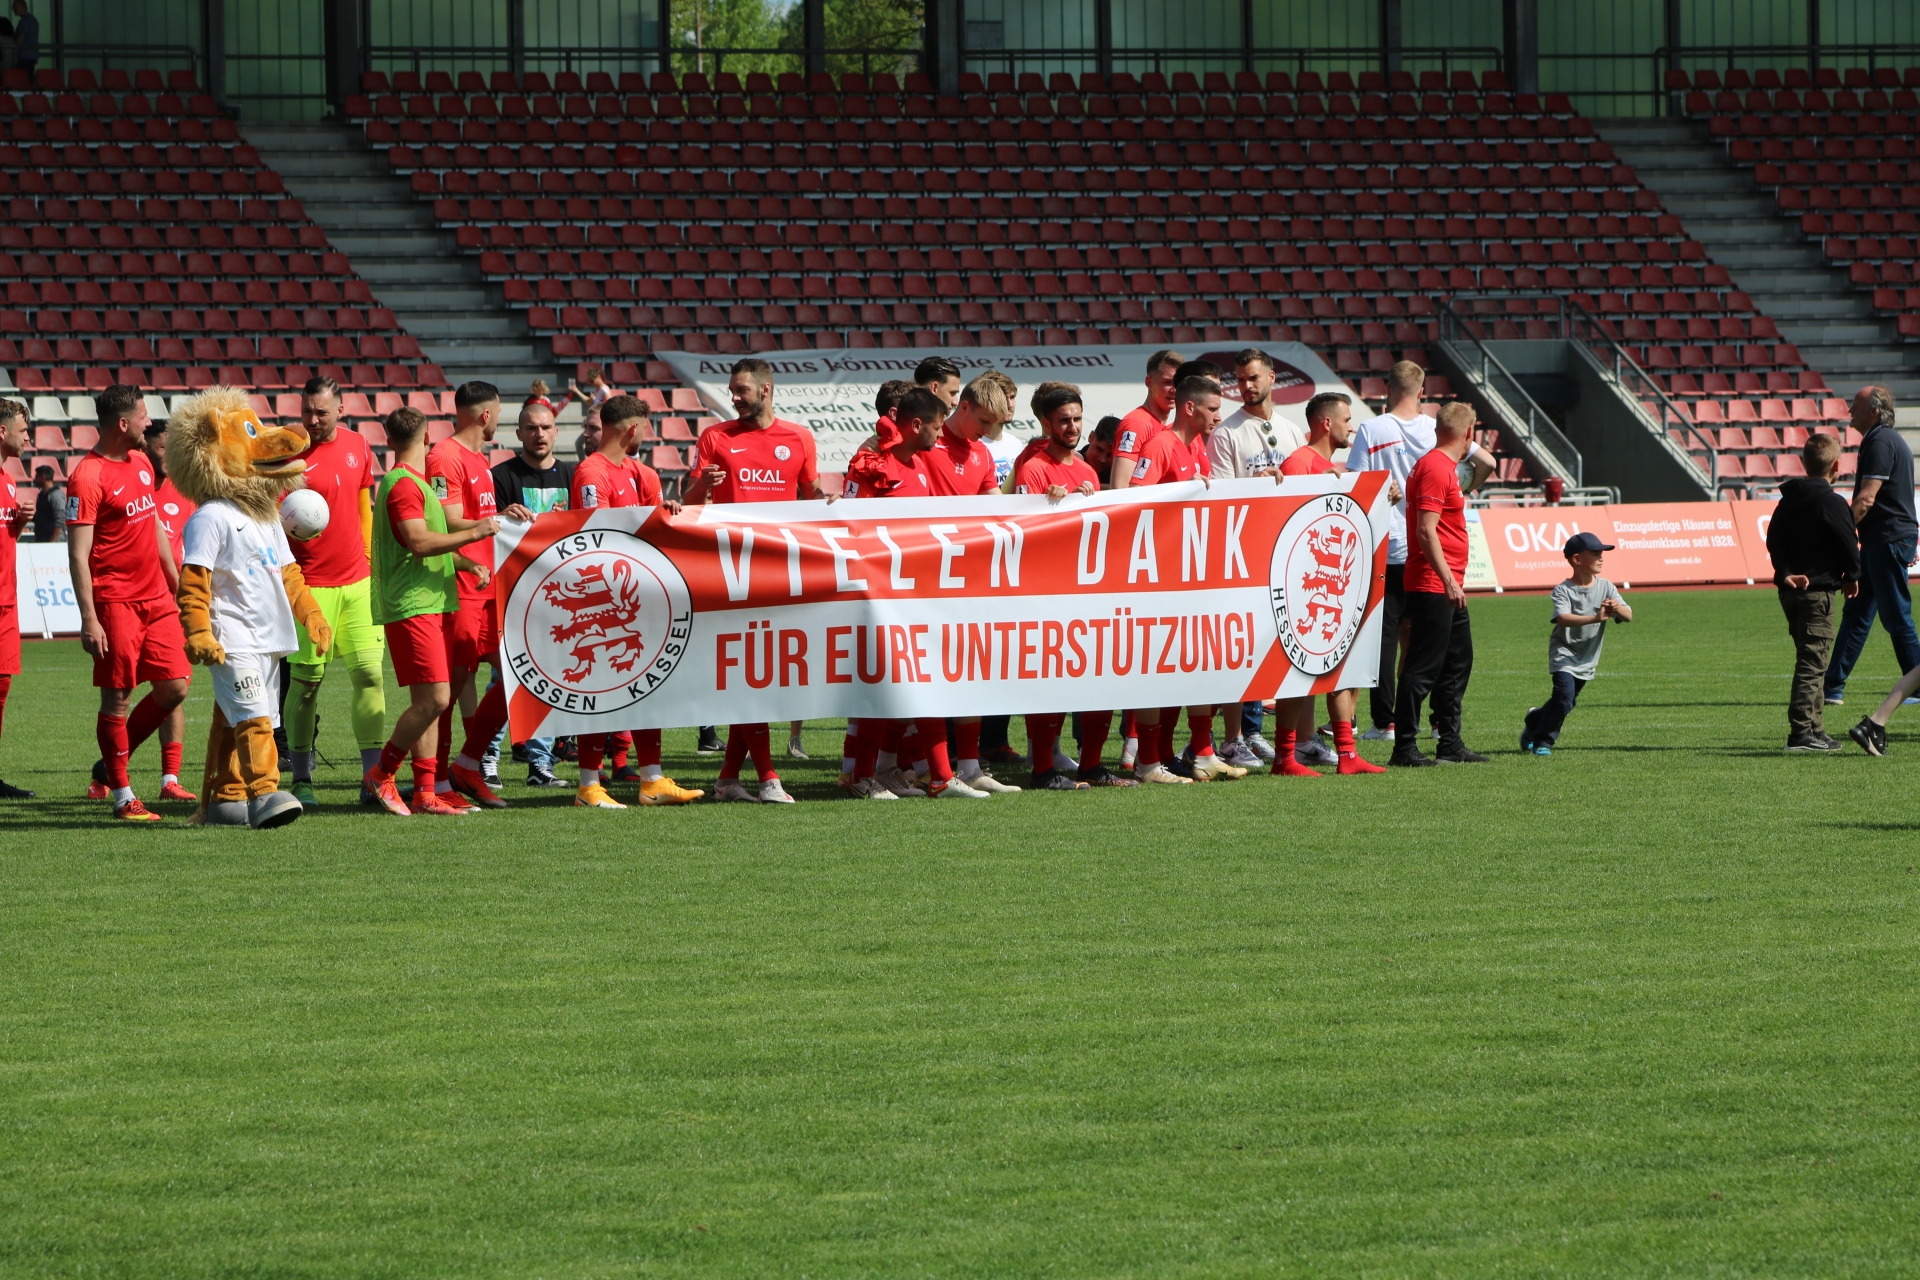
240, 594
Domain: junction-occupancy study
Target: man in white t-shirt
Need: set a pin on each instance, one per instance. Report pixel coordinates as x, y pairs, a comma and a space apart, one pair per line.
1254, 439
1394, 442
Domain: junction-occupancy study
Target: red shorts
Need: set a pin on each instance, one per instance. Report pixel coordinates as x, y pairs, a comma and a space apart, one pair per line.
475, 636
418, 647
9, 638
144, 642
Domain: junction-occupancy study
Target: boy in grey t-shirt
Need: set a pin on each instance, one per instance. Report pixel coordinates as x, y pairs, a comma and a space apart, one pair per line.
1581, 606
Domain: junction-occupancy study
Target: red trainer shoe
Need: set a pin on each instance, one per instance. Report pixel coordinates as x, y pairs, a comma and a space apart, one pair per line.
174, 791
133, 811
431, 805
99, 791
469, 783
381, 788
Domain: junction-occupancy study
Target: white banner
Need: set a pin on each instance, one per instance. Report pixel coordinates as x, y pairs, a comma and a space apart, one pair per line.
831, 392
44, 590
1171, 594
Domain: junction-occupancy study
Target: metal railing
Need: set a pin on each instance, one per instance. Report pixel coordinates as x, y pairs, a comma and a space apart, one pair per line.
1664, 415
128, 57
682, 58
1537, 432
1691, 57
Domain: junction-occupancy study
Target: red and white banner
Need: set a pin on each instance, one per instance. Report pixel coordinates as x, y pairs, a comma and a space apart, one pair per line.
1176, 594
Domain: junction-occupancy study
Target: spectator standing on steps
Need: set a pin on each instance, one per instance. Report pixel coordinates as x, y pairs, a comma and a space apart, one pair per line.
1811, 542
1884, 515
26, 37
49, 507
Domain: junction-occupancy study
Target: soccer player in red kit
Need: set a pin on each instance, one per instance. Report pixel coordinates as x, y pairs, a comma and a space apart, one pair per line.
611, 477
895, 473
1329, 429
13, 442
1058, 472
124, 578
1176, 454
462, 479
172, 509
757, 457
1138, 428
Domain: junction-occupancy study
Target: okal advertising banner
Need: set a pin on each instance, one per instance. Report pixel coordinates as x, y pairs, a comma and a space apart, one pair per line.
1175, 594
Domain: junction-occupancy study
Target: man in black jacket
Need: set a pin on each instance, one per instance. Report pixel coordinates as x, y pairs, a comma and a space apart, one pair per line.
1815, 552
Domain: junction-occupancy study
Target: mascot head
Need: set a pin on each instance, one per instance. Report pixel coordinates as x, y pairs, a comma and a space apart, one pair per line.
217, 447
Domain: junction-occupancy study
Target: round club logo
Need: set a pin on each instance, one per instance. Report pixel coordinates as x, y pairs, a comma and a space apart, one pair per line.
781, 452
597, 622
1322, 561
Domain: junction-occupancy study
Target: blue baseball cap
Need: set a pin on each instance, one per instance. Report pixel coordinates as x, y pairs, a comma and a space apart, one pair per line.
1585, 542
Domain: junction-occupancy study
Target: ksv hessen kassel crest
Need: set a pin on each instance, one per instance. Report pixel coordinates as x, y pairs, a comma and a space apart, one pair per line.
597, 622
1322, 563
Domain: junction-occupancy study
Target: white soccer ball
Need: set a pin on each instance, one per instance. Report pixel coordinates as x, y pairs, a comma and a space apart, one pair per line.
304, 515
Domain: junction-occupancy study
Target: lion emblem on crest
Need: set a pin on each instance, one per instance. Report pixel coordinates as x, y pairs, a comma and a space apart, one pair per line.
1335, 549
603, 618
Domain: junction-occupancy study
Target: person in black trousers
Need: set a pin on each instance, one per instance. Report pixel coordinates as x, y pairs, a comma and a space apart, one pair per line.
1440, 645
1815, 553
1883, 512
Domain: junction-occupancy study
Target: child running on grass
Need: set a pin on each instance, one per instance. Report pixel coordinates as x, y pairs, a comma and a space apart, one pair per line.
1581, 606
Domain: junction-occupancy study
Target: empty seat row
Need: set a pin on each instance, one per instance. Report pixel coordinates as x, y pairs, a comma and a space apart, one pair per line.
1791, 102
1793, 416
234, 349
135, 105
138, 182
254, 217
322, 293
87, 80
196, 378
152, 131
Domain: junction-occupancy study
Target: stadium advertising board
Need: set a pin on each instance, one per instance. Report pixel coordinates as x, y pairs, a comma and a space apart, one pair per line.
43, 590
1175, 594
831, 392
1657, 543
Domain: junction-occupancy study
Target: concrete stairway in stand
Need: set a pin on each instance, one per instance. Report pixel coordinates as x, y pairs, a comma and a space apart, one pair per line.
1784, 273
435, 291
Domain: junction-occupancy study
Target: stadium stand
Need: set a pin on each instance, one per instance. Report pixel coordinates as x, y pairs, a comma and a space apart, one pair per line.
767, 214
145, 243
1837, 149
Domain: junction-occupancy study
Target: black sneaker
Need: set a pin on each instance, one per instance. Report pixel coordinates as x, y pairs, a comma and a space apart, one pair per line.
626, 773
1181, 767
1101, 776
710, 744
566, 749
1410, 760
10, 792
1459, 753
1811, 743
368, 800
519, 753
1054, 780
1871, 737
541, 776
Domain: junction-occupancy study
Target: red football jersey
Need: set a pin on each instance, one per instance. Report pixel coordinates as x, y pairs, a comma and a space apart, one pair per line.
774, 464
459, 476
173, 511
1168, 458
646, 482
11, 518
1434, 485
1040, 473
405, 502
1305, 461
881, 475
339, 471
1135, 432
598, 482
116, 498
958, 468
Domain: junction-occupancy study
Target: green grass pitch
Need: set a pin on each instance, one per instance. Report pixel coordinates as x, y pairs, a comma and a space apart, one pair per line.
1646, 1007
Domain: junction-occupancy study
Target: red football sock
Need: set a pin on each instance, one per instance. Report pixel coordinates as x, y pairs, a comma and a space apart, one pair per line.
111, 733
6, 685
1094, 727
444, 751
622, 748
1350, 761
895, 738
425, 770
488, 719
1149, 750
758, 745
589, 749
865, 748
1129, 725
1285, 740
1040, 742
143, 721
1200, 730
390, 757
933, 736
646, 747
1169, 722
170, 759
966, 740
850, 742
